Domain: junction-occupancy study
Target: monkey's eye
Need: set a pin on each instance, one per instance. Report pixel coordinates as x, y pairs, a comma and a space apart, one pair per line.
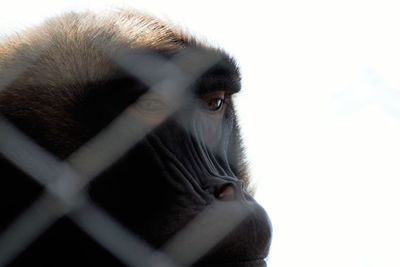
214, 102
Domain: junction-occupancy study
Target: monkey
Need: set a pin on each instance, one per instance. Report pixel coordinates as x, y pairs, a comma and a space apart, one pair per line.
137, 120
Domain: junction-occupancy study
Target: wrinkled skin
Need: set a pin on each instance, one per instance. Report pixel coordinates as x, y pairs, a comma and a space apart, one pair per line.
187, 167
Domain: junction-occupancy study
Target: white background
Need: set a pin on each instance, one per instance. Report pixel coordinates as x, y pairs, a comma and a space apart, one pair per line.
320, 112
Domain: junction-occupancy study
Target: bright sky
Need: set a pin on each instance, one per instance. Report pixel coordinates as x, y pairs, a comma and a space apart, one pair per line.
320, 114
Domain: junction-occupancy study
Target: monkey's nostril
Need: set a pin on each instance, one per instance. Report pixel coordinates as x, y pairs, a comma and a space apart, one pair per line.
226, 193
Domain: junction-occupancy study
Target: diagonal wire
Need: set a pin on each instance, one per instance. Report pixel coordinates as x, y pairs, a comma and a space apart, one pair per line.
44, 169
28, 227
206, 231
118, 240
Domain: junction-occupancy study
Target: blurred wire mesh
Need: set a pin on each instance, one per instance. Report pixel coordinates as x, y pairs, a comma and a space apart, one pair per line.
64, 181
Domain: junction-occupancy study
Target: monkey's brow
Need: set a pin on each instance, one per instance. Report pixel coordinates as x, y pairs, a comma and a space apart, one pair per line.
223, 76
227, 81
211, 84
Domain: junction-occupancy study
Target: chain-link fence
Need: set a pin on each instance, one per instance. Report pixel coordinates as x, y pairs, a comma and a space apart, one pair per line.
66, 181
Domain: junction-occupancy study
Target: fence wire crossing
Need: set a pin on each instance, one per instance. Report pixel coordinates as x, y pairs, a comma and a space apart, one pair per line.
65, 181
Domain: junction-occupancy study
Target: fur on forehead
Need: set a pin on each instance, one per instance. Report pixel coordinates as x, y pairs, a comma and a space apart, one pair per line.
80, 46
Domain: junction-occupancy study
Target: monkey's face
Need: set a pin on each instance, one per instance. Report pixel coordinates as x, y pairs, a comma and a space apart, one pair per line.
157, 140
186, 165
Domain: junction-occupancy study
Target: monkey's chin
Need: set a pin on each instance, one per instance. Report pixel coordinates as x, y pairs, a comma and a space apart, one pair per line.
246, 246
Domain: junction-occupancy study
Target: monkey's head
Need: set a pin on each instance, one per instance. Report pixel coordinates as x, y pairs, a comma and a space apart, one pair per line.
139, 120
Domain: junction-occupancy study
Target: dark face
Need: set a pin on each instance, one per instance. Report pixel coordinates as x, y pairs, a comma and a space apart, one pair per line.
177, 180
